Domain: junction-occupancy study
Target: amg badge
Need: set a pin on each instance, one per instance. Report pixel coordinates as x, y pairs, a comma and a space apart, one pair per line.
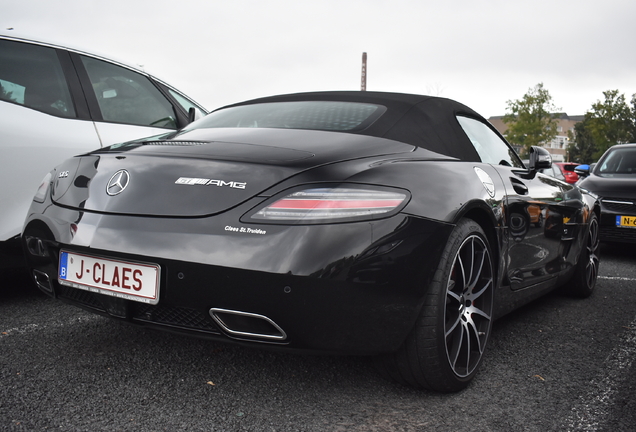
210, 182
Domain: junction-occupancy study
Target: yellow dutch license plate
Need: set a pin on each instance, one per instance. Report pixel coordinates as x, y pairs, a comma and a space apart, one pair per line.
626, 221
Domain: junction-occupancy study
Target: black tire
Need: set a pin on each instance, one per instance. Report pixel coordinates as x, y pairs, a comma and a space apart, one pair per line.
446, 346
585, 274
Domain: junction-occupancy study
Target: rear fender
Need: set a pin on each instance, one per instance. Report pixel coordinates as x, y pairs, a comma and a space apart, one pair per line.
442, 190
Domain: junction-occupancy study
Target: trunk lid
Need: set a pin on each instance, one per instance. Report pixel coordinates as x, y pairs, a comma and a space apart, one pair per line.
202, 172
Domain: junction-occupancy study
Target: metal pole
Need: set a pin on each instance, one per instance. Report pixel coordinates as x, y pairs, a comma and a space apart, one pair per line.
363, 85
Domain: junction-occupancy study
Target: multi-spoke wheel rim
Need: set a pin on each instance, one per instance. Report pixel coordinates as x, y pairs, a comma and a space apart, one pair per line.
469, 300
593, 243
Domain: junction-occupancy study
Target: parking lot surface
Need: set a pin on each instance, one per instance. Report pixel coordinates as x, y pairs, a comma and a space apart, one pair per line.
558, 364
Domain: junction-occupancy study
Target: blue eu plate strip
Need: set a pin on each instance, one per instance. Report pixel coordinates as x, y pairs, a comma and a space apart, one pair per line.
63, 265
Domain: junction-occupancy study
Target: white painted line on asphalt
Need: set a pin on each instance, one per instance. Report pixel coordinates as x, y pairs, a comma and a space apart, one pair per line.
618, 278
26, 329
592, 409
35, 327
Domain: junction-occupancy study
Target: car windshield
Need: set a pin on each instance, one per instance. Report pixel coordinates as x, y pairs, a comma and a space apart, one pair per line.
619, 161
313, 115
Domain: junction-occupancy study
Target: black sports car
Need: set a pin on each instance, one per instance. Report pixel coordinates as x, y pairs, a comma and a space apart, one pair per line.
613, 180
343, 222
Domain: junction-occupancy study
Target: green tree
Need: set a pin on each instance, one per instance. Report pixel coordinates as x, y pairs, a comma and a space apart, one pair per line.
582, 148
611, 121
633, 126
531, 120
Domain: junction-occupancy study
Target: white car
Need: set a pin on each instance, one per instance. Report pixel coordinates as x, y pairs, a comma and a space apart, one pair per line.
56, 102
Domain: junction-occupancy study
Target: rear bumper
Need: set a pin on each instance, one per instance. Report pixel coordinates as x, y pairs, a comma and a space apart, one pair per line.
345, 288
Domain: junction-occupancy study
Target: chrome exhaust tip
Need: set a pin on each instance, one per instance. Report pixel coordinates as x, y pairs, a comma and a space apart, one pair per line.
43, 281
36, 246
244, 325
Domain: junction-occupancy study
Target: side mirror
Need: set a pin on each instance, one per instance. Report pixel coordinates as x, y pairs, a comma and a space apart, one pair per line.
192, 114
540, 159
584, 170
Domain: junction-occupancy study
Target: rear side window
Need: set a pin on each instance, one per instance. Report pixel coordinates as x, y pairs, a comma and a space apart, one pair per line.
491, 149
312, 115
553, 171
127, 97
31, 75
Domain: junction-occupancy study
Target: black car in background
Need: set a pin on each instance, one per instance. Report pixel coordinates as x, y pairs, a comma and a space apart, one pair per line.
613, 179
384, 224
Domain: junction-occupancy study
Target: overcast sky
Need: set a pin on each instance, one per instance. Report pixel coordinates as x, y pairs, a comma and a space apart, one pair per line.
481, 53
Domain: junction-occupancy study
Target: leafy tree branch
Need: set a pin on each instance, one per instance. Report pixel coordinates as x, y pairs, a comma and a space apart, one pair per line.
531, 120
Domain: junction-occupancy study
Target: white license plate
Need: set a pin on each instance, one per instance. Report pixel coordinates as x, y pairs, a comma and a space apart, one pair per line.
132, 281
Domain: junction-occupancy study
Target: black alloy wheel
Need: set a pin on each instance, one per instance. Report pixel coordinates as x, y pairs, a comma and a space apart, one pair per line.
444, 350
585, 274
468, 312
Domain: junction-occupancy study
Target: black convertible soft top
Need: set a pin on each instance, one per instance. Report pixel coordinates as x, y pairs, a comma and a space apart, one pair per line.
424, 121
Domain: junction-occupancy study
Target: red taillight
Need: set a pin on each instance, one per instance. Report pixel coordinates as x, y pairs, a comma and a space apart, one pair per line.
301, 204
332, 204
570, 177
40, 194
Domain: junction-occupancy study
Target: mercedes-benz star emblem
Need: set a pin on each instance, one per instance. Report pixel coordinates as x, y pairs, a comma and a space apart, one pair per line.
118, 182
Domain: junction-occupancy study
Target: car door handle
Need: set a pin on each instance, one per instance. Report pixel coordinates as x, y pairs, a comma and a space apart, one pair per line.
518, 186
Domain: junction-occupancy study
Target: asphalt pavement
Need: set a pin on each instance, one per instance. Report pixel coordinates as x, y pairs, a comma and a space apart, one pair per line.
558, 364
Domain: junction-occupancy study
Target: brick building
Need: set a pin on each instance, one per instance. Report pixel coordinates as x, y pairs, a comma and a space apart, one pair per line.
558, 146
